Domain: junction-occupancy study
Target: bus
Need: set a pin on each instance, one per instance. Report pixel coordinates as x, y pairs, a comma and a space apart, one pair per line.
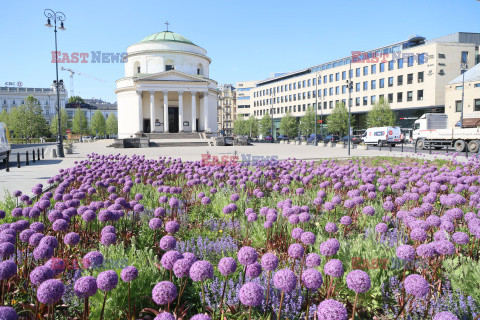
4, 141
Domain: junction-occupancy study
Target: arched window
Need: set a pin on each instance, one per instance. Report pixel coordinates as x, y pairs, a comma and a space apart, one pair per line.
136, 68
169, 65
200, 69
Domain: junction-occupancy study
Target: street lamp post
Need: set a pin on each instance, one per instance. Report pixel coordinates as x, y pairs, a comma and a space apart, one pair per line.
464, 68
315, 143
272, 93
57, 16
349, 87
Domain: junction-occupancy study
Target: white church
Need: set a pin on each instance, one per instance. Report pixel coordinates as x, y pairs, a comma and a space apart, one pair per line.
166, 88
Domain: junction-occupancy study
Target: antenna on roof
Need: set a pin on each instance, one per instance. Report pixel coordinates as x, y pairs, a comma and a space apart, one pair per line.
167, 23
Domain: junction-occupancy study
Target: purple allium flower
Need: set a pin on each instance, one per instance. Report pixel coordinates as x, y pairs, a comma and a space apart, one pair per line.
293, 219
92, 259
60, 225
296, 251
331, 310
71, 239
334, 268
8, 313
159, 212
227, 266
329, 247
308, 238
460, 238
50, 241
181, 267
297, 233
169, 258
155, 223
444, 247
445, 315
85, 287
331, 227
128, 274
201, 317
164, 316
43, 252
107, 280
168, 243
206, 201
406, 252
253, 270
172, 227
381, 227
416, 285
164, 292
269, 261
37, 227
358, 281
234, 197
6, 250
418, 234
191, 257
40, 274
57, 265
425, 250
312, 279
108, 239
89, 216
313, 260
8, 269
201, 270
251, 294
173, 202
247, 255
285, 280
24, 236
346, 220
50, 291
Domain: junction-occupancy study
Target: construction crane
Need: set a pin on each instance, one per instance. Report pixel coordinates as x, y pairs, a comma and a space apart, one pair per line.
72, 72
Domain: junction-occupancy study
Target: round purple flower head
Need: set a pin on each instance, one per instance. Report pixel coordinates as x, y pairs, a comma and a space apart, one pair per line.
416, 285
172, 227
201, 317
312, 279
297, 233
42, 252
313, 260
418, 234
329, 247
296, 251
460, 238
7, 269
308, 238
57, 265
164, 316
8, 313
85, 287
201, 270
107, 280
169, 258
253, 270
251, 294
6, 250
234, 197
247, 255
331, 227
60, 225
269, 261
334, 268
71, 239
346, 220
181, 267
50, 291
155, 223
108, 239
406, 252
331, 310
92, 259
227, 266
191, 257
445, 315
164, 292
358, 281
285, 280
168, 243
50, 241
426, 250
128, 274
206, 200
444, 247
381, 227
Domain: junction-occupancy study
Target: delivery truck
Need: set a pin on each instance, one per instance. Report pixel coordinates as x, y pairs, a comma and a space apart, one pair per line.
431, 131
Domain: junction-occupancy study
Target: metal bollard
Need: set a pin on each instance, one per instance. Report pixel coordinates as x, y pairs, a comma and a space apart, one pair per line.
380, 147
390, 147
402, 146
18, 159
38, 154
27, 158
43, 153
430, 148
8, 161
415, 147
33, 155
466, 151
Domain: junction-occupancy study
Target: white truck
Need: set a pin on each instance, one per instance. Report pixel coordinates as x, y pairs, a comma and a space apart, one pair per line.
382, 136
4, 141
431, 130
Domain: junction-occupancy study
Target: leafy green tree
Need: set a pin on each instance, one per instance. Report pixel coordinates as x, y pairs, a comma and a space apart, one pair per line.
381, 115
289, 125
98, 126
75, 99
80, 123
64, 122
27, 120
265, 125
337, 121
239, 126
112, 124
252, 127
307, 122
4, 117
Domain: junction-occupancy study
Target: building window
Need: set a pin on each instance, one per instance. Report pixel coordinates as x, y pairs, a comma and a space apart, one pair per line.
314, 82
458, 106
357, 72
357, 87
337, 76
399, 96
410, 78
169, 65
419, 95
410, 61
390, 81
299, 84
331, 77
294, 85
325, 105
400, 80
420, 77
303, 83
344, 89
350, 74
337, 90
382, 83
441, 56
464, 56
303, 96
331, 91
476, 105
324, 92
357, 102
381, 96
365, 71
400, 63
390, 65
409, 95
308, 94
365, 85
308, 83
382, 67
344, 75
289, 87
372, 100
373, 84
365, 101
458, 87
421, 58
373, 69
325, 79
390, 97
331, 104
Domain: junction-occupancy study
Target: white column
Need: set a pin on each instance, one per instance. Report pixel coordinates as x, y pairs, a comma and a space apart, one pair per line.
152, 111
165, 111
194, 111
180, 111
205, 110
140, 111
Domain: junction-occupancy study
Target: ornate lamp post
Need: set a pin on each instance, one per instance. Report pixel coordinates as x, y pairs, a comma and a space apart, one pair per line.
60, 17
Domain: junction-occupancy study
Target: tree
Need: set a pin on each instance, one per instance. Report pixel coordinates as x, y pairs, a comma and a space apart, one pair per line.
307, 122
252, 126
27, 120
4, 117
54, 123
289, 125
265, 125
112, 124
98, 127
381, 115
239, 126
80, 123
337, 121
75, 99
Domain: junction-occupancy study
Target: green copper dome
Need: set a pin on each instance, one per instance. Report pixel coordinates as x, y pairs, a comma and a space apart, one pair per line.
167, 36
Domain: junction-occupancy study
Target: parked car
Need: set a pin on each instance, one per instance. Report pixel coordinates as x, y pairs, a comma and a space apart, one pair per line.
229, 141
332, 138
353, 139
312, 139
268, 139
283, 137
382, 136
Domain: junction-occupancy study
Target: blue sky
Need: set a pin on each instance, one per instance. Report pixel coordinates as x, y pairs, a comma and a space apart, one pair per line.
246, 40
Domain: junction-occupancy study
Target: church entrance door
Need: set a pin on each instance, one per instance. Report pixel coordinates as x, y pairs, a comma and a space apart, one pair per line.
146, 126
173, 119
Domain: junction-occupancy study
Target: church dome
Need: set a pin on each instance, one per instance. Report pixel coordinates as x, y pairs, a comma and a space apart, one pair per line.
167, 36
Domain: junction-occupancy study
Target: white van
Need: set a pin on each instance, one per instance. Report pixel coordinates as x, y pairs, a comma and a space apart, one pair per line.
381, 136
4, 141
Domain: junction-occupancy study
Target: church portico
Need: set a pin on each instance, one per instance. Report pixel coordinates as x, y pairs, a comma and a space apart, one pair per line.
169, 101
